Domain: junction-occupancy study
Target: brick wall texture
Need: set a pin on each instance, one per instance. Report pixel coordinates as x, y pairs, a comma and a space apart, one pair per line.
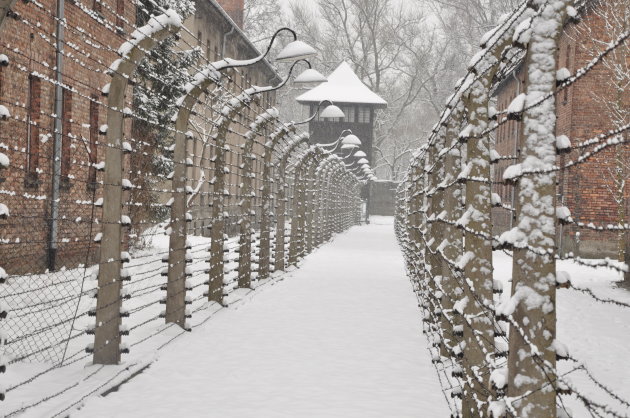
587, 188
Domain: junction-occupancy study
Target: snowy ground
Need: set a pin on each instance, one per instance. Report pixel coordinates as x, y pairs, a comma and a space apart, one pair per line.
340, 337
596, 334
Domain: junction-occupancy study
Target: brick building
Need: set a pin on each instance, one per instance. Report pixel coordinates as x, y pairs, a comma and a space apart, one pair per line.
216, 28
587, 188
51, 77
53, 91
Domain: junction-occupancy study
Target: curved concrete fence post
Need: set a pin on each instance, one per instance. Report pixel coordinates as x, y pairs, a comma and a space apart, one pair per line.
107, 339
178, 273
299, 207
280, 252
266, 219
265, 119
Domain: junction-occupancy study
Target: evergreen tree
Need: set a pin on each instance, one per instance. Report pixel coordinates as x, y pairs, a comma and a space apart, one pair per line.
160, 79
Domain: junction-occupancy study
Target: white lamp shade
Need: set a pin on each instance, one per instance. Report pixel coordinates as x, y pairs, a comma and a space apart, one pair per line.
295, 51
310, 76
349, 146
360, 154
332, 111
363, 161
351, 140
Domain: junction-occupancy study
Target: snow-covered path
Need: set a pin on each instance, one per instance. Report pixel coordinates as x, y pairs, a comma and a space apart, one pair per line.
340, 337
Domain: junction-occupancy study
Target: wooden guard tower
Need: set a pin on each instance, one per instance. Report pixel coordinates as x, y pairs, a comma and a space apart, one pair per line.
356, 100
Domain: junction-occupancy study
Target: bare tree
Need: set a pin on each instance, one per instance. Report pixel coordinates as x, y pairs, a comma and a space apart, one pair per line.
261, 19
393, 50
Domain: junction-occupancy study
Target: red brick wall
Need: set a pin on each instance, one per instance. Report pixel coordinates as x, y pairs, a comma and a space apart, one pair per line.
235, 9
91, 41
581, 115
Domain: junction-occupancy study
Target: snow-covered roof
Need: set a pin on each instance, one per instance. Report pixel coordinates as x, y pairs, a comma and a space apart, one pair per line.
343, 86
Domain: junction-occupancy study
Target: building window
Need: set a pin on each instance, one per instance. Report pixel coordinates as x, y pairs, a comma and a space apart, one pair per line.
66, 118
349, 111
34, 107
96, 6
94, 108
364, 115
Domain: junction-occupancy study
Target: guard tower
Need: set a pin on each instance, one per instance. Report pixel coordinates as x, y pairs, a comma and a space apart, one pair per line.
357, 101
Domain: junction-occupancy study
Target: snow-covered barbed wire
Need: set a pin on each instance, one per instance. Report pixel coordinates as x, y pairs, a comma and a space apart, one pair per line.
434, 216
52, 307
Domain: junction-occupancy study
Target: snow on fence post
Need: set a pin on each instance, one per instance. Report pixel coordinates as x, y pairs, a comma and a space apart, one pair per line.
433, 240
265, 222
218, 237
338, 195
476, 262
176, 287
412, 207
245, 260
532, 308
310, 203
107, 339
345, 187
282, 200
332, 204
4, 310
322, 175
326, 197
348, 201
453, 243
299, 207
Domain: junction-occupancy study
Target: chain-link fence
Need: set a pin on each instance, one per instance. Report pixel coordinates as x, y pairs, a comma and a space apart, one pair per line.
115, 223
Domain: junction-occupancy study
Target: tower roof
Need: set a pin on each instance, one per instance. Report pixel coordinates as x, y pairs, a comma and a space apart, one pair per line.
343, 86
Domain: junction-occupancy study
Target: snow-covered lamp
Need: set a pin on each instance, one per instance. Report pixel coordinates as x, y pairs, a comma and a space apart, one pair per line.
310, 76
363, 161
296, 50
360, 154
332, 111
352, 140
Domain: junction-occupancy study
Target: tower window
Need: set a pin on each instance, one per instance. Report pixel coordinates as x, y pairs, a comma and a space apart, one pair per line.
364, 115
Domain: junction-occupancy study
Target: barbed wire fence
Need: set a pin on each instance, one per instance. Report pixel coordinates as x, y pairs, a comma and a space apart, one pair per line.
143, 233
495, 347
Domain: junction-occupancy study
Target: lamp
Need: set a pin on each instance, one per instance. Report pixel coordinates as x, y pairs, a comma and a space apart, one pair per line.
310, 76
332, 111
352, 140
296, 50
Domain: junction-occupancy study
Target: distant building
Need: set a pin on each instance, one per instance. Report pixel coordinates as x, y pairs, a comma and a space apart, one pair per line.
357, 101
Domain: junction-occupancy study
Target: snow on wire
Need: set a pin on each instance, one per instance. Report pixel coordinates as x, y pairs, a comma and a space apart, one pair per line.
476, 324
49, 301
